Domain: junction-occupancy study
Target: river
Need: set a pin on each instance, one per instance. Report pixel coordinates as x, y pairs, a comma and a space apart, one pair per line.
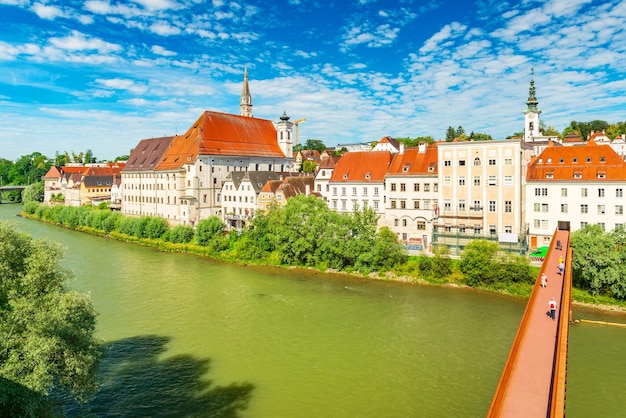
189, 337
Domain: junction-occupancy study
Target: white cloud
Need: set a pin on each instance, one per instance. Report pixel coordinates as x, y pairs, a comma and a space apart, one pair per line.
46, 12
448, 32
159, 50
156, 4
78, 41
122, 84
164, 29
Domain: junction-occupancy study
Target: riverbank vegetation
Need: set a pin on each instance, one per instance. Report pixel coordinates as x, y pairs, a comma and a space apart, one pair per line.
47, 331
306, 233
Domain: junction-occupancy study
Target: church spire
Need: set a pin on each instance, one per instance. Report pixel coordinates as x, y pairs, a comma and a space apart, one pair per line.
532, 98
245, 105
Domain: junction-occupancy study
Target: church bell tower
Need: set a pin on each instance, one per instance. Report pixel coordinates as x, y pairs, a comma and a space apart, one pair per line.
531, 114
245, 104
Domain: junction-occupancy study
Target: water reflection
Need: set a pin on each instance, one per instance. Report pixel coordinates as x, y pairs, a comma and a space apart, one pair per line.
136, 382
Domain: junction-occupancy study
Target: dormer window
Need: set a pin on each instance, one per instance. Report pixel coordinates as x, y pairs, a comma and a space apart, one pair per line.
588, 160
368, 176
562, 160
405, 168
549, 161
550, 175
345, 176
540, 160
601, 175
602, 159
578, 175
574, 160
431, 167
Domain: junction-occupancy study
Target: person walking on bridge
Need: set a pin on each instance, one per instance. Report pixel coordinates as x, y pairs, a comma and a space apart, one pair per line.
552, 307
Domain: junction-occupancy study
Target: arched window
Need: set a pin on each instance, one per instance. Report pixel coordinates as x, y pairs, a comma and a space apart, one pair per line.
476, 161
531, 126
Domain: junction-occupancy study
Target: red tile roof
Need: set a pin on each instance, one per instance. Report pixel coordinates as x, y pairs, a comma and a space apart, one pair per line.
362, 166
414, 162
217, 133
589, 162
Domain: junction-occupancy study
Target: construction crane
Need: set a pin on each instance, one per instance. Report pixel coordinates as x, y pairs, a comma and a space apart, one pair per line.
298, 122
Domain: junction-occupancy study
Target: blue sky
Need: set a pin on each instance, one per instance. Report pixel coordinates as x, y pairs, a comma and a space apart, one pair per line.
102, 74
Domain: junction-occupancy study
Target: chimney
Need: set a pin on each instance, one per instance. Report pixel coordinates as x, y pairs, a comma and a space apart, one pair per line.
307, 190
422, 147
401, 148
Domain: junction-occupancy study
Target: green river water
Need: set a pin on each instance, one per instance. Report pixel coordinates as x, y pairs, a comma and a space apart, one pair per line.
187, 337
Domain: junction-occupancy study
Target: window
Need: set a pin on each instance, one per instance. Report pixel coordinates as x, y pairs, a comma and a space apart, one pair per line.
584, 208
508, 206
508, 161
343, 191
508, 229
447, 180
462, 163
427, 187
375, 191
404, 222
508, 180
583, 224
492, 181
492, 206
343, 204
393, 187
393, 204
619, 193
461, 205
601, 209
537, 207
476, 205
564, 192
462, 181
334, 191
602, 226
600, 192
544, 224
447, 204
583, 192
619, 209
447, 163
476, 161
427, 204
537, 223
563, 207
476, 180
416, 187
541, 191
544, 207
403, 204
492, 161
416, 204
402, 187
435, 187
354, 191
375, 204
395, 222
421, 225
364, 191
492, 229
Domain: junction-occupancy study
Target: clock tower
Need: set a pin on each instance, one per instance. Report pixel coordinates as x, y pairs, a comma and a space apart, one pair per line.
531, 114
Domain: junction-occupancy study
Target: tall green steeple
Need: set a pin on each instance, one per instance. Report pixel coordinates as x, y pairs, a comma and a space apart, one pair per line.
532, 101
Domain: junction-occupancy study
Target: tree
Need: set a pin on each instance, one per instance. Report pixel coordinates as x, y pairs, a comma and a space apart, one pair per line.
209, 230
480, 137
450, 134
309, 166
47, 331
314, 144
477, 262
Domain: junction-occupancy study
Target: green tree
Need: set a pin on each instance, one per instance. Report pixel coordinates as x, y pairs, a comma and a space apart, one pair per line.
480, 136
47, 332
314, 144
441, 264
477, 262
208, 230
308, 166
33, 193
182, 234
597, 263
450, 134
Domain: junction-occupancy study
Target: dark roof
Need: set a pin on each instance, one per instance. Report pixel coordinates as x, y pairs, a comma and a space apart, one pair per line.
148, 154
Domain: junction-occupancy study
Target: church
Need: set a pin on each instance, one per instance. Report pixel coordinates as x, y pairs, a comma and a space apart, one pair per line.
180, 178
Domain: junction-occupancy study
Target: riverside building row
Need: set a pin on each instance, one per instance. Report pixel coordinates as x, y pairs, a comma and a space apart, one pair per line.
511, 191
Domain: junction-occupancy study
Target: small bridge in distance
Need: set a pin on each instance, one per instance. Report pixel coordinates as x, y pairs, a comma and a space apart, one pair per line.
10, 188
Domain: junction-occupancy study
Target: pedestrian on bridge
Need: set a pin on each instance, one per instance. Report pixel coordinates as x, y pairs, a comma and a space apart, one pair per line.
561, 267
552, 307
544, 280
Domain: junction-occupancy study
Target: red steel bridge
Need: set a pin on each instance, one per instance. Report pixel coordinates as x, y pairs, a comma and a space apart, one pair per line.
534, 378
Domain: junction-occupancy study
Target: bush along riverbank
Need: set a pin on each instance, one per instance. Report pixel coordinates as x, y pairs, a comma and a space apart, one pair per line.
305, 233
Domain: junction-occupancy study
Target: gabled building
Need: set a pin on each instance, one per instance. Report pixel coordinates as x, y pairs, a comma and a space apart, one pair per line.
387, 144
76, 185
580, 184
323, 175
277, 192
358, 181
412, 192
240, 195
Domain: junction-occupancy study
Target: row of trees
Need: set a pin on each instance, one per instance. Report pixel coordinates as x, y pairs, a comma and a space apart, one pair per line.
459, 133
